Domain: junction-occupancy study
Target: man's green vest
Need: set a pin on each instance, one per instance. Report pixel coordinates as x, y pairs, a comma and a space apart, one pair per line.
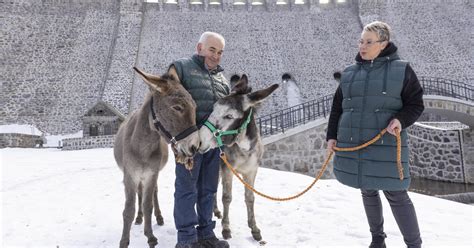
371, 96
205, 86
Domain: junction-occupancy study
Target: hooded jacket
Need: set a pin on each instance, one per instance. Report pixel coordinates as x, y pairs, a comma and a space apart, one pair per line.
370, 95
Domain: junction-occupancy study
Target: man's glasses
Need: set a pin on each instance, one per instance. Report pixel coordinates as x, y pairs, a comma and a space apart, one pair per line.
369, 42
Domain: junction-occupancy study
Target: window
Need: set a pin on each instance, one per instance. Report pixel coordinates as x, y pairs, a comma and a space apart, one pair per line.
93, 130
107, 129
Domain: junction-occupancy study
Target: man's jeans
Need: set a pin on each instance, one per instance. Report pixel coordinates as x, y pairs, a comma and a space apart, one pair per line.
402, 209
196, 188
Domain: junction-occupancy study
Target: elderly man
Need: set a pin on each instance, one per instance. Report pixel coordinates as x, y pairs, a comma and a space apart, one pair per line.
202, 76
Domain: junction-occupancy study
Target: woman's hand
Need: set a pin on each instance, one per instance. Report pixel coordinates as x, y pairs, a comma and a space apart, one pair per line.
331, 144
394, 124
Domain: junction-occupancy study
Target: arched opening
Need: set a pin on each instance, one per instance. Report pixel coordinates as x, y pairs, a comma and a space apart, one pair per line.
93, 130
285, 78
293, 93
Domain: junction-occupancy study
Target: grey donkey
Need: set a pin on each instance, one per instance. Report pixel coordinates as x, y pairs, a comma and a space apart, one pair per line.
141, 146
243, 150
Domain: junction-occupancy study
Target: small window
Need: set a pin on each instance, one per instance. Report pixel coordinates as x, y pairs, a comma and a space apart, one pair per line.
171, 5
107, 129
240, 2
93, 130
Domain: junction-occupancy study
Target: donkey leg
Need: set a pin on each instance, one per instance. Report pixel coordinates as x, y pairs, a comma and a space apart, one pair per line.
216, 210
226, 199
148, 192
129, 210
139, 218
156, 207
249, 201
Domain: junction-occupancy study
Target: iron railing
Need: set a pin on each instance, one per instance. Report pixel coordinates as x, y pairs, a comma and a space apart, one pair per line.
291, 117
447, 87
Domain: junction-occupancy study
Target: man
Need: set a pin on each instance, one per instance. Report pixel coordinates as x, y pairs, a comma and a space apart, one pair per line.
201, 75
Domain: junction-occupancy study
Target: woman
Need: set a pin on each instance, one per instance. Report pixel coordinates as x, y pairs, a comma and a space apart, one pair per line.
379, 91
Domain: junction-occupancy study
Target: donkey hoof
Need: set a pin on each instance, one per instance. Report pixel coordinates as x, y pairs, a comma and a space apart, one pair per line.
226, 234
138, 221
159, 220
256, 235
152, 242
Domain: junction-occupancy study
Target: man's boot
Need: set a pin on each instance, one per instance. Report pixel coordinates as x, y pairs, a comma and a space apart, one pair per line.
213, 242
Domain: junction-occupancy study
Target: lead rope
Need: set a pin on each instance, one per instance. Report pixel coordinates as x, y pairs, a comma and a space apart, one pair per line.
323, 168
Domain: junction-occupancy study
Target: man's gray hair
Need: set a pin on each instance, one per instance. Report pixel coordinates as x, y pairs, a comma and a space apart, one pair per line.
382, 29
206, 35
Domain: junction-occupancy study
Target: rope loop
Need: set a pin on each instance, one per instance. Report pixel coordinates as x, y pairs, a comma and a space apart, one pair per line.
323, 168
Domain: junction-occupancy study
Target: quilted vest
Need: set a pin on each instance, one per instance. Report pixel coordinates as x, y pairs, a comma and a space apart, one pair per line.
205, 86
371, 96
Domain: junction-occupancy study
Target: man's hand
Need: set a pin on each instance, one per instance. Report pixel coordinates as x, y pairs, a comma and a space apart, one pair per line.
331, 144
394, 124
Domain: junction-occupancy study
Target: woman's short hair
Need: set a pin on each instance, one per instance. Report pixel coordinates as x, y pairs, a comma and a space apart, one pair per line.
382, 29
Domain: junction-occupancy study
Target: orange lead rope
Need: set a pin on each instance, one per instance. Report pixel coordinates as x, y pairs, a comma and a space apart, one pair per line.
323, 168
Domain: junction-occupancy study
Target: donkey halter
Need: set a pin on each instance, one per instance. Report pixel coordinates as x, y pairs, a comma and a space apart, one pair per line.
173, 140
219, 133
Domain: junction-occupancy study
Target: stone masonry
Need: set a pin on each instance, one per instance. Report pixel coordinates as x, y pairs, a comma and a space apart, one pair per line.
19, 140
301, 149
88, 142
435, 153
59, 57
468, 154
443, 154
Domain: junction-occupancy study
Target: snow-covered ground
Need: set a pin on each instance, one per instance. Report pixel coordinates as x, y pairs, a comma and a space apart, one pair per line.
53, 198
51, 140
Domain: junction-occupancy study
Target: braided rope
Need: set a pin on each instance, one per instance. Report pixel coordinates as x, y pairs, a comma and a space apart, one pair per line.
323, 168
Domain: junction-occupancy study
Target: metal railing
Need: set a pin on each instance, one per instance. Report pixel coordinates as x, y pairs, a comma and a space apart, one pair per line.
280, 121
447, 87
291, 117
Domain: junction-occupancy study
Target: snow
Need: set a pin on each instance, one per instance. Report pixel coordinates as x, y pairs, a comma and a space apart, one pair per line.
294, 94
54, 198
51, 140
20, 128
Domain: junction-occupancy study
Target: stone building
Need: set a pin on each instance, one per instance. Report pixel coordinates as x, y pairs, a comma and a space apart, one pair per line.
102, 119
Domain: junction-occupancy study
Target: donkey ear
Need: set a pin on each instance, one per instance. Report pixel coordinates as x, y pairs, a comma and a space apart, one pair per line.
155, 82
241, 85
258, 96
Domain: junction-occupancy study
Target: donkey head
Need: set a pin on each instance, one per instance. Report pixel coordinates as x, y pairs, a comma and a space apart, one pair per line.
232, 113
172, 112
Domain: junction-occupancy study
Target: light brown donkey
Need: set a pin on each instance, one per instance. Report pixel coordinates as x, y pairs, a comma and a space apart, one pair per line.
141, 146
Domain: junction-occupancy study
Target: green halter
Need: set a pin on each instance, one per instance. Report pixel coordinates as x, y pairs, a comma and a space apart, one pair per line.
218, 133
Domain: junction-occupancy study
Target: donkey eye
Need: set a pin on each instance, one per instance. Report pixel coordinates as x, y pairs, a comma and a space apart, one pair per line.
229, 116
178, 108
